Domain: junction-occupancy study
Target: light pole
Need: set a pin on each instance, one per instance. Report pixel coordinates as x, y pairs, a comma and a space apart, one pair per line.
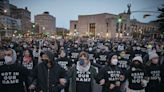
107, 24
119, 20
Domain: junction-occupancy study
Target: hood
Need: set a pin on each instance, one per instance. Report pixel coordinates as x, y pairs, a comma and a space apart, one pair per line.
50, 55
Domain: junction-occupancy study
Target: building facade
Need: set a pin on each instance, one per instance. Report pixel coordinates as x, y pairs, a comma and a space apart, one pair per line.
9, 25
109, 25
24, 15
104, 24
46, 23
4, 7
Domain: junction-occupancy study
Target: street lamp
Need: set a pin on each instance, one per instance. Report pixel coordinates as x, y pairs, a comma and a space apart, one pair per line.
119, 20
5, 11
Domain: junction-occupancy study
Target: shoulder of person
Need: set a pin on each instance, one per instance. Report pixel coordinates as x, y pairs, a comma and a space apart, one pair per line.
92, 68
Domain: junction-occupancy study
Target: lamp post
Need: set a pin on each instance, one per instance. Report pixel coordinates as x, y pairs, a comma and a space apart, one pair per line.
107, 24
119, 20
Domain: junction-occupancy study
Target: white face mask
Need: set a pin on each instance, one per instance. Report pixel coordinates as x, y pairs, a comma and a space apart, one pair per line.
11, 45
25, 46
114, 61
8, 59
138, 48
90, 49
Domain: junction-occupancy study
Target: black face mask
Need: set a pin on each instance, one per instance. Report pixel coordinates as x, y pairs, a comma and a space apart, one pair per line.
137, 66
45, 61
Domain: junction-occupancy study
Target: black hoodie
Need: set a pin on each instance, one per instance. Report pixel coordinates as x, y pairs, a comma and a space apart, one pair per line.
48, 78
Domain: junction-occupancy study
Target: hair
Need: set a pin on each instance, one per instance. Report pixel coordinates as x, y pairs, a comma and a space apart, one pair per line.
9, 49
109, 57
85, 54
28, 51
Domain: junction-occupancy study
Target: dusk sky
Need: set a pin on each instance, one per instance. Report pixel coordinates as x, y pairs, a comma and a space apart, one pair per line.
66, 10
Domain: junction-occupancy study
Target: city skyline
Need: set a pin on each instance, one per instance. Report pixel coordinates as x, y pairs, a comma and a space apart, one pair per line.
65, 10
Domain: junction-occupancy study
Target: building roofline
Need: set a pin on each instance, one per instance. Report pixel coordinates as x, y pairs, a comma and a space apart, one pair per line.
97, 14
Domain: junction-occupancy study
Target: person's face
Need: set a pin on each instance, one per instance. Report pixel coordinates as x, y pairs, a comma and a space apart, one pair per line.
2, 54
122, 54
8, 53
155, 60
27, 53
114, 57
45, 57
86, 61
62, 54
136, 62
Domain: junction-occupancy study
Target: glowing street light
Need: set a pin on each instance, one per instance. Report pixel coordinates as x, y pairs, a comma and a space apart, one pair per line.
5, 11
43, 28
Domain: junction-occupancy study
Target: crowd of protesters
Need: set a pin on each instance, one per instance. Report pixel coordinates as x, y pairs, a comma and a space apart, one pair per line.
82, 65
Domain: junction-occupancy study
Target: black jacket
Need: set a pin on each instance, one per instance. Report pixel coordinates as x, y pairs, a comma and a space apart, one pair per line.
40, 77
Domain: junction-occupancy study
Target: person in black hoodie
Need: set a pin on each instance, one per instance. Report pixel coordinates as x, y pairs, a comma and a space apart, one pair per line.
48, 76
110, 76
13, 76
154, 73
137, 76
63, 61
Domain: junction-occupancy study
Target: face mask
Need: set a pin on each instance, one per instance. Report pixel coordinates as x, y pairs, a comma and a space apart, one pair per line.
81, 62
79, 48
45, 49
114, 61
45, 61
8, 59
138, 48
90, 49
49, 48
25, 46
11, 45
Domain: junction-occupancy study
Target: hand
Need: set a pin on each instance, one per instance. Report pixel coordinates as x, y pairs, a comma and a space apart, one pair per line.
102, 82
62, 81
144, 83
32, 86
122, 77
117, 83
111, 86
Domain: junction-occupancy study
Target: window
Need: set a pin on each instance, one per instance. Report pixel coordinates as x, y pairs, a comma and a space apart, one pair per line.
92, 29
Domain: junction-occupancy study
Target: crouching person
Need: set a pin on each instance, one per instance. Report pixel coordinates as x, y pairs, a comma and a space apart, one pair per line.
110, 76
48, 76
82, 75
137, 77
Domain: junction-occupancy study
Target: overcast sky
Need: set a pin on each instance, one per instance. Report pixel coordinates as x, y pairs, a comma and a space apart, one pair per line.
66, 10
